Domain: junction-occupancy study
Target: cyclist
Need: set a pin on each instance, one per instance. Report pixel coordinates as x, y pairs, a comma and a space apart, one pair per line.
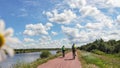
63, 50
73, 50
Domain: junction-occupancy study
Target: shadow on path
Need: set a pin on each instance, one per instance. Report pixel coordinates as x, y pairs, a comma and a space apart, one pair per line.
61, 57
69, 59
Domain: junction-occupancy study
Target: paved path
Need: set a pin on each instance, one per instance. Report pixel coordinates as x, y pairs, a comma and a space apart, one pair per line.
60, 62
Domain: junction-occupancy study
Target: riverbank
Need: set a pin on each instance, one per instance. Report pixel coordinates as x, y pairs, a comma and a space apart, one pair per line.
17, 51
37, 62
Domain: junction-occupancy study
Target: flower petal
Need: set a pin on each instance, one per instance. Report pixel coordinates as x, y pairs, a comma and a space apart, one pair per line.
2, 25
9, 50
2, 55
9, 32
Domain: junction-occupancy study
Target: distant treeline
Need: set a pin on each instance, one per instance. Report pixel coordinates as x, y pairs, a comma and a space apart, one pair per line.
34, 50
110, 47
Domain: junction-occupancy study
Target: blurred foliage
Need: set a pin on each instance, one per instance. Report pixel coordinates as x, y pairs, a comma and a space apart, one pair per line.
45, 54
109, 47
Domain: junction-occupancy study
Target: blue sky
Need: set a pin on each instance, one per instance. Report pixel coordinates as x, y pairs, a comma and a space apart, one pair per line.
53, 23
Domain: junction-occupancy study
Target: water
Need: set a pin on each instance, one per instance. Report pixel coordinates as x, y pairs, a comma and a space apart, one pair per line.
23, 57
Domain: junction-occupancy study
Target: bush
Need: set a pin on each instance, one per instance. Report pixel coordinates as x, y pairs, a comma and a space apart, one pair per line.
45, 54
98, 52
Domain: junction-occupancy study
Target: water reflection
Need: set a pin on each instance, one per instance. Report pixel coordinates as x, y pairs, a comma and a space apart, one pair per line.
24, 57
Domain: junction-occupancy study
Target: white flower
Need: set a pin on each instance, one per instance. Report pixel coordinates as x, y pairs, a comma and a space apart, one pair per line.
4, 35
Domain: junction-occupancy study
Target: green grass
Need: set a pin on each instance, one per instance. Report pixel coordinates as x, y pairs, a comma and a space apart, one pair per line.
85, 64
110, 59
91, 59
98, 52
99, 60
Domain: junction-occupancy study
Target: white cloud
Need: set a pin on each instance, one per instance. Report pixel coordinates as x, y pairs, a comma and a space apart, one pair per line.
97, 15
48, 26
49, 14
89, 10
92, 23
70, 32
77, 3
62, 18
28, 40
112, 34
94, 26
104, 3
45, 39
78, 26
118, 19
74, 35
54, 33
37, 29
114, 3
50, 44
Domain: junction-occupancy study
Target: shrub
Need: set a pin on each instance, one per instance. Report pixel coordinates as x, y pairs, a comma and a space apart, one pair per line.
98, 52
45, 54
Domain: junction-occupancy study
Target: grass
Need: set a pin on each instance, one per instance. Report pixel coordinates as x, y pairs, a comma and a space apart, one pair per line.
98, 52
37, 62
83, 61
110, 59
91, 60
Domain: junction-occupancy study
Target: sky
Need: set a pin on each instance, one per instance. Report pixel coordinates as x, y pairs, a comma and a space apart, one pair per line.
54, 23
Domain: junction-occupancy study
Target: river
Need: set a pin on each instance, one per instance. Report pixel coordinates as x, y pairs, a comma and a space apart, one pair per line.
20, 58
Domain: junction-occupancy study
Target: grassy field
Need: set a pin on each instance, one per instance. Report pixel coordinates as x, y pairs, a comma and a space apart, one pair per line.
91, 60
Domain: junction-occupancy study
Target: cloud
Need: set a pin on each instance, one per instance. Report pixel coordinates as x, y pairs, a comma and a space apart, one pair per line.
70, 32
77, 3
54, 33
50, 44
49, 14
45, 39
97, 15
118, 19
61, 18
78, 26
113, 34
28, 40
37, 29
48, 26
94, 26
114, 3
89, 10
104, 3
74, 35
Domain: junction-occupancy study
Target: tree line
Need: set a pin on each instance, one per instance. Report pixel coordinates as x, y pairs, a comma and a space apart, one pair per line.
109, 47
